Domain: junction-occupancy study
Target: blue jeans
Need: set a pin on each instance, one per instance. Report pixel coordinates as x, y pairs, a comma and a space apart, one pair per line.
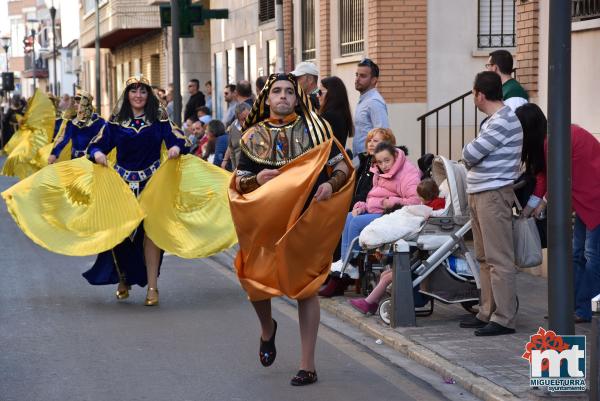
354, 225
586, 266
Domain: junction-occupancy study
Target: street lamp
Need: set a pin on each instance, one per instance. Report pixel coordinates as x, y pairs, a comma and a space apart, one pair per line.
5, 42
52, 10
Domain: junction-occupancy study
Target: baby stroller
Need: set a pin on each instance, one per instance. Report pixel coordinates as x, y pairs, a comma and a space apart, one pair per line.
442, 265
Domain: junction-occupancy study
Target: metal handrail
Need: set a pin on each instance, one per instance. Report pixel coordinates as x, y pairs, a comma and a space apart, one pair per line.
436, 111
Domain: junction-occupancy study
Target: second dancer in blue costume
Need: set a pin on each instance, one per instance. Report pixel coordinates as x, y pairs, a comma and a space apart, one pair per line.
137, 129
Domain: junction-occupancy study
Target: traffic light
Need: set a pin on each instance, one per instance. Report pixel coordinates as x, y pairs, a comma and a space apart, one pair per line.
28, 44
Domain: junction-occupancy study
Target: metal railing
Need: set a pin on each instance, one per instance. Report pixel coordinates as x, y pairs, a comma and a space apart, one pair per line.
309, 51
351, 26
456, 102
582, 10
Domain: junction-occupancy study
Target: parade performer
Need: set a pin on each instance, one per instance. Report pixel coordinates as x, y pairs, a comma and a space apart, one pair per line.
12, 117
82, 208
289, 199
35, 131
80, 130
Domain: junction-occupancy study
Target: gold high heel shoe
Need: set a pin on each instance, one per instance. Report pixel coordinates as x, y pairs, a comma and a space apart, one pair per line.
122, 294
151, 301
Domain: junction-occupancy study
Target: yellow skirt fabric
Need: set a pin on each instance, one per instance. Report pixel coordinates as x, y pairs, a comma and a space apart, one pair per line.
283, 249
187, 209
74, 208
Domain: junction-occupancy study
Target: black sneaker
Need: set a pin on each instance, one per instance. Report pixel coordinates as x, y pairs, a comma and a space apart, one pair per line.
493, 329
471, 322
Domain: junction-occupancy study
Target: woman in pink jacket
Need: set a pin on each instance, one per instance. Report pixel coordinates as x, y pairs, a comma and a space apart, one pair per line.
395, 183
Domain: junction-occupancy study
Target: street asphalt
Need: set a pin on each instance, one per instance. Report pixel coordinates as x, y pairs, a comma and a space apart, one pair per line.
62, 339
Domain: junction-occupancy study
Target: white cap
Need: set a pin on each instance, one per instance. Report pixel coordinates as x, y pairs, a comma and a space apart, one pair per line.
304, 68
205, 119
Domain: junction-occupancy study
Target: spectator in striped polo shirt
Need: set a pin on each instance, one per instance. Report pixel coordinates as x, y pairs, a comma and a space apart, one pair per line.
492, 160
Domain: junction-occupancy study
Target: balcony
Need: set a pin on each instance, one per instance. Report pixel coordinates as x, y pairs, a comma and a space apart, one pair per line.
582, 10
120, 21
40, 70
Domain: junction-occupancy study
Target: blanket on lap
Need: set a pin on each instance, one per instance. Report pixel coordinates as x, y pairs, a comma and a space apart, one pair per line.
401, 224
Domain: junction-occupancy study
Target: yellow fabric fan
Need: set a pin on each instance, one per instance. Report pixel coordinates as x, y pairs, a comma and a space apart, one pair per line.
34, 133
41, 159
74, 208
187, 208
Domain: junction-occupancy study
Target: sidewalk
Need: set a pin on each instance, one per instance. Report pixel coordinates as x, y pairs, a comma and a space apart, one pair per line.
489, 367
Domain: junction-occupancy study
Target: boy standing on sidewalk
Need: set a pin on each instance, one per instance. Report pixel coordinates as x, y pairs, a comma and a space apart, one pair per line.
493, 160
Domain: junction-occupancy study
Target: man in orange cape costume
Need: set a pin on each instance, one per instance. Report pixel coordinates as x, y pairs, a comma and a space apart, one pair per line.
288, 199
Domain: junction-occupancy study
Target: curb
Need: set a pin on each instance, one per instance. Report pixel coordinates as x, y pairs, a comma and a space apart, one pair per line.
477, 385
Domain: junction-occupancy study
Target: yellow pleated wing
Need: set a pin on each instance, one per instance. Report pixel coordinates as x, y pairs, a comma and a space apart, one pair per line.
187, 209
74, 208
41, 159
34, 133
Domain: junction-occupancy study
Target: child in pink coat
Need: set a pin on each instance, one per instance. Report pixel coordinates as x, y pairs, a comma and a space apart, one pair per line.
395, 183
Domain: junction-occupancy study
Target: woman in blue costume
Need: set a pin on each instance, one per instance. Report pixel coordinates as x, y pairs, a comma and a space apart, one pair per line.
137, 129
78, 131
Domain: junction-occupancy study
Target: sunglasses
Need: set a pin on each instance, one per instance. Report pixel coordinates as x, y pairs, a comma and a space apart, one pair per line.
321, 92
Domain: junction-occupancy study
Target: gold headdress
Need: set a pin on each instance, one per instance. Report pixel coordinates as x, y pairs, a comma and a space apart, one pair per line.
137, 79
319, 129
85, 110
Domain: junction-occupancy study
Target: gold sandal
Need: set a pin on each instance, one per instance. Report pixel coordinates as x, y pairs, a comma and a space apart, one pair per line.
151, 301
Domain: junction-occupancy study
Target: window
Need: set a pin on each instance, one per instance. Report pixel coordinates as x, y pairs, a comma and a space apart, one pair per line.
585, 9
496, 25
266, 10
230, 61
271, 56
89, 6
240, 73
308, 30
137, 68
252, 63
351, 27
120, 79
218, 87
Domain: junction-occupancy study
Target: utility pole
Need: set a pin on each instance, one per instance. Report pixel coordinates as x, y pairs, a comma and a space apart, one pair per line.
560, 249
175, 61
279, 35
97, 61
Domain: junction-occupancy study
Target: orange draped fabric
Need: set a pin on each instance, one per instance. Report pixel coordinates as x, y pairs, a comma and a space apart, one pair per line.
283, 249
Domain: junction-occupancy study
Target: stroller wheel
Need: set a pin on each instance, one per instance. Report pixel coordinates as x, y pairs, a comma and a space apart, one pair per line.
385, 310
469, 306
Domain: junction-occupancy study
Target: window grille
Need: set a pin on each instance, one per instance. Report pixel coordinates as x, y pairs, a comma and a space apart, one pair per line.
585, 9
266, 10
309, 51
496, 23
351, 26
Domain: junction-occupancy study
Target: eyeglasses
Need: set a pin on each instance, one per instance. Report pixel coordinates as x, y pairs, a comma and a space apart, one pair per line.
321, 92
488, 65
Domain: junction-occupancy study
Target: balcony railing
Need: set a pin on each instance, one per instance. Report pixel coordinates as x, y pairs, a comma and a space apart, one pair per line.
40, 69
585, 9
